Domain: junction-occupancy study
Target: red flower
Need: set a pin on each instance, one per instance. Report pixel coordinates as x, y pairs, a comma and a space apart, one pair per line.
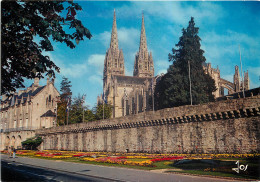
166, 159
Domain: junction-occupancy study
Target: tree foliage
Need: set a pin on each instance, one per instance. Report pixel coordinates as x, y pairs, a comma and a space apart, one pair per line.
98, 110
174, 87
32, 143
65, 88
23, 22
61, 113
77, 109
75, 112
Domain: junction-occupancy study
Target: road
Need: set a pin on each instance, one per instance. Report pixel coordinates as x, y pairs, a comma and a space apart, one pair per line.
31, 169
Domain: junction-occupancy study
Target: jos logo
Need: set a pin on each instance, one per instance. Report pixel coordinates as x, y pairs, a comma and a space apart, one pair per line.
239, 167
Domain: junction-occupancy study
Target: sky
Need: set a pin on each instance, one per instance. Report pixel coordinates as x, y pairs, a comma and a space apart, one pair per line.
223, 26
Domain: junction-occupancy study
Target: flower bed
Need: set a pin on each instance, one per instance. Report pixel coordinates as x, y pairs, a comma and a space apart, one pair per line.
134, 159
166, 159
118, 160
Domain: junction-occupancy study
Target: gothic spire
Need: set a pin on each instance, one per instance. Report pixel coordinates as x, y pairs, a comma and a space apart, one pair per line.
114, 60
114, 40
143, 44
143, 66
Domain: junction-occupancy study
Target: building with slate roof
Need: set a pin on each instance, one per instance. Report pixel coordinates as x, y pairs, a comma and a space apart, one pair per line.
128, 94
25, 111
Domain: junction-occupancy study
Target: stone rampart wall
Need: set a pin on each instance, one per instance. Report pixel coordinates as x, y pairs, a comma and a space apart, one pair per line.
219, 127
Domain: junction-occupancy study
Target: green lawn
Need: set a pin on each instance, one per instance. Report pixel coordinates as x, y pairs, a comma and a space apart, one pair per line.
221, 168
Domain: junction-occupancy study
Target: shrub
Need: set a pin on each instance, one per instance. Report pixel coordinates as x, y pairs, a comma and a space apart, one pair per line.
32, 143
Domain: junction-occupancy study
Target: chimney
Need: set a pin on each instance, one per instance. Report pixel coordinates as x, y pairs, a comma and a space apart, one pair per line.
48, 81
36, 81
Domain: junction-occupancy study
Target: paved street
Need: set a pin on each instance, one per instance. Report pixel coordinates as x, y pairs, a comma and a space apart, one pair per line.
49, 170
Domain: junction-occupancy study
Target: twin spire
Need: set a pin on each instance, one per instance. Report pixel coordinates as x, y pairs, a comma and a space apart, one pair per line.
143, 44
114, 39
143, 66
114, 60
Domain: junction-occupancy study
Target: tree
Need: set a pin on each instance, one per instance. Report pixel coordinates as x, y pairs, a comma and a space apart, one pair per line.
23, 22
65, 89
61, 113
32, 143
98, 110
76, 111
89, 115
174, 88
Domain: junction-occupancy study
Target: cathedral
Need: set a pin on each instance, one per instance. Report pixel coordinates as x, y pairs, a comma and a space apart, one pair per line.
221, 84
128, 94
134, 94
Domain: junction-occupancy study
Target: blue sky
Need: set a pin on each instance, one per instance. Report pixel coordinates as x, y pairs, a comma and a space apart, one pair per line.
223, 26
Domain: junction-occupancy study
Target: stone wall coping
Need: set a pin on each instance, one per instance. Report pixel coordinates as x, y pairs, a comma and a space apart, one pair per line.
236, 108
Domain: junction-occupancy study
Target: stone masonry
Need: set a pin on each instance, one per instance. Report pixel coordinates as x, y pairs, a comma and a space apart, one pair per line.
230, 126
26, 111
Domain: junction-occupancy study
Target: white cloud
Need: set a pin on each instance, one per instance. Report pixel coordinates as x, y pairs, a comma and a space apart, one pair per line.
104, 38
69, 70
96, 79
96, 60
225, 48
74, 70
78, 70
178, 12
159, 72
230, 36
127, 37
162, 64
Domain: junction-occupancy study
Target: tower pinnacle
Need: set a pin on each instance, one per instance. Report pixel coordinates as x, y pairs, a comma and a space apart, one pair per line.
114, 40
143, 44
114, 60
143, 66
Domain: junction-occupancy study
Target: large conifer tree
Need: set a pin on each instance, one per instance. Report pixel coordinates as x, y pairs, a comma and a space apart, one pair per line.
174, 88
